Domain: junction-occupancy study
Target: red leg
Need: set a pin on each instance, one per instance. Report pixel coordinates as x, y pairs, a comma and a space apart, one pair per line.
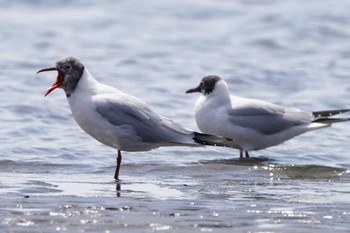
117, 168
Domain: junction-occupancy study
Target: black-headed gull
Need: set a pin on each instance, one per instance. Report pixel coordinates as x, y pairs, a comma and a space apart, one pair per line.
117, 119
254, 124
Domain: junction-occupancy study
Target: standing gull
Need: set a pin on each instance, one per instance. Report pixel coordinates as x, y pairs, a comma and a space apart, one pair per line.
254, 124
117, 119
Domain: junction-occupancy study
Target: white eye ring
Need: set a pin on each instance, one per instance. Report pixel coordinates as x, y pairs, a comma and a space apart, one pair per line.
68, 67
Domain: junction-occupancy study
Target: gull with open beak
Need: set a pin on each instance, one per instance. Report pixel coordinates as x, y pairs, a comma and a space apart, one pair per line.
117, 119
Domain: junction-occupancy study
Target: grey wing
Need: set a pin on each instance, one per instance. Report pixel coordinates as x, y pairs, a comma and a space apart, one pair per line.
268, 118
133, 113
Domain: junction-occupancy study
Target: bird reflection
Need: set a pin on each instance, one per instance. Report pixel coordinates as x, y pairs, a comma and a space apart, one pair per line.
118, 188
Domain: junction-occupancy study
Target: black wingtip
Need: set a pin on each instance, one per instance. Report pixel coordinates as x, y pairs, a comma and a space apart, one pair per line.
329, 113
212, 140
327, 120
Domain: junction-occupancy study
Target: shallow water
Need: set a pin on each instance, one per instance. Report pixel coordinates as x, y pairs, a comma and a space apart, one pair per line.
53, 177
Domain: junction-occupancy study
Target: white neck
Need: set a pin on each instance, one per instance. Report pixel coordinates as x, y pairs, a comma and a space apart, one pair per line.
220, 93
87, 84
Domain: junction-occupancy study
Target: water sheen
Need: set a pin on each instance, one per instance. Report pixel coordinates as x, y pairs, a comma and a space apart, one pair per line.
53, 177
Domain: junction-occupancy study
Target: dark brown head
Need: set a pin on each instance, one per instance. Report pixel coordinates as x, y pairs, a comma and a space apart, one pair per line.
206, 86
69, 71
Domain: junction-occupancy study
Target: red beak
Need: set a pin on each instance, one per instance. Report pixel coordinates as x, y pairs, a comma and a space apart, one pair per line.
59, 79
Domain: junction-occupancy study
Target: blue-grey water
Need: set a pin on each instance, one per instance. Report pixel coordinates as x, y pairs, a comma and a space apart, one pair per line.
55, 178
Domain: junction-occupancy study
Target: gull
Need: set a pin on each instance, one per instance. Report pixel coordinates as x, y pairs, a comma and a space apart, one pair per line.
255, 124
117, 119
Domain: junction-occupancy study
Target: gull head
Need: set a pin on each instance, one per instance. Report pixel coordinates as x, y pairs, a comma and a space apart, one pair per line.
206, 86
69, 71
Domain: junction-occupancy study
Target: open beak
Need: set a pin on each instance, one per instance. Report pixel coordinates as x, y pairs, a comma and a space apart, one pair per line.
59, 79
196, 89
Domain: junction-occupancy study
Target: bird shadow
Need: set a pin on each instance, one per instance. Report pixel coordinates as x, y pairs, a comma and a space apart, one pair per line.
312, 171
252, 161
292, 171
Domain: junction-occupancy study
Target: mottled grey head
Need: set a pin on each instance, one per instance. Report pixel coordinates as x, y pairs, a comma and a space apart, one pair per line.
69, 71
206, 86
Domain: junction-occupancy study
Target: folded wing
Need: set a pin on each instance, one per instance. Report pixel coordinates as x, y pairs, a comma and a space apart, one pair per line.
128, 111
266, 118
